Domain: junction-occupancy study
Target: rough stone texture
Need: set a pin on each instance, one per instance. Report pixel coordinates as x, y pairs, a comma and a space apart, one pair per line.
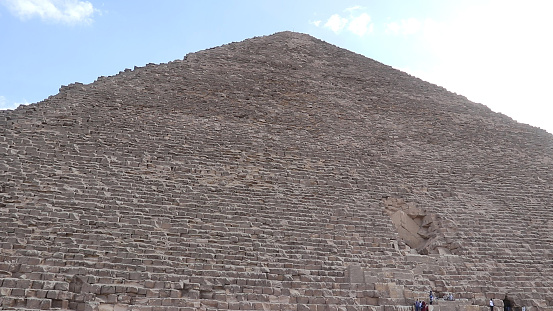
263, 175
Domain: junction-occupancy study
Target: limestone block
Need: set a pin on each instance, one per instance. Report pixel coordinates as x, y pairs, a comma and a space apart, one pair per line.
355, 274
32, 303
20, 292
407, 229
105, 307
397, 308
390, 290
8, 282
414, 212
411, 295
62, 286
4, 291
541, 303
428, 220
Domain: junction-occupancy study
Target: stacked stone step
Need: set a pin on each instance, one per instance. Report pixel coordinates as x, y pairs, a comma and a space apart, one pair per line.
225, 181
75, 253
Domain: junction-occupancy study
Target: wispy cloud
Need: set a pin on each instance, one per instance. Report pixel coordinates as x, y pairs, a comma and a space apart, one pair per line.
405, 27
58, 11
6, 104
361, 24
316, 23
493, 52
354, 8
336, 23
357, 23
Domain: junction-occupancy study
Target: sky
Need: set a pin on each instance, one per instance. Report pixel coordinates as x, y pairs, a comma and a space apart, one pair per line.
497, 53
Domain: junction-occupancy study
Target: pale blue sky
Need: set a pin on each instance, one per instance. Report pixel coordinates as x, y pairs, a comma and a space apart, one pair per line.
497, 53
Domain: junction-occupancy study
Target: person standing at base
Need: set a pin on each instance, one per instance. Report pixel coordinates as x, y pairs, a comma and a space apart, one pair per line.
431, 298
491, 304
506, 305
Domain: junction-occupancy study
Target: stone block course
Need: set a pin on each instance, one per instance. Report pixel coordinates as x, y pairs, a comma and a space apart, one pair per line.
256, 175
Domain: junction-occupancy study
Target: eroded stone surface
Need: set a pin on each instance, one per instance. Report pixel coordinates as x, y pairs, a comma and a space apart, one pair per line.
255, 175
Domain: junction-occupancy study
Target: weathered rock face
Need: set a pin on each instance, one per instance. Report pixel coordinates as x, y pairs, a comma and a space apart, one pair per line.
277, 173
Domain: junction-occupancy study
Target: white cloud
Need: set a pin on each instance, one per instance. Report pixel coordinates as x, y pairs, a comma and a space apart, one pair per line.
5, 104
354, 8
336, 23
58, 11
495, 54
411, 26
316, 23
405, 27
357, 24
393, 28
361, 25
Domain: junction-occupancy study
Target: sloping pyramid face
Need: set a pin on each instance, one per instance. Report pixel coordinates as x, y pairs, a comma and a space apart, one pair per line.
277, 173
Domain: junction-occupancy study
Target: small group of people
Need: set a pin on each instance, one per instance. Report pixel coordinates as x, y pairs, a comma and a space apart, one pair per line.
506, 305
449, 297
420, 305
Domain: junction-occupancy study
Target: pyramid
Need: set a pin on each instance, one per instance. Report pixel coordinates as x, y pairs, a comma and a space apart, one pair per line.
276, 173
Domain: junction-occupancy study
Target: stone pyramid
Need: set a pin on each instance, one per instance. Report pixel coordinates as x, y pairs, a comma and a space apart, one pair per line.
277, 173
